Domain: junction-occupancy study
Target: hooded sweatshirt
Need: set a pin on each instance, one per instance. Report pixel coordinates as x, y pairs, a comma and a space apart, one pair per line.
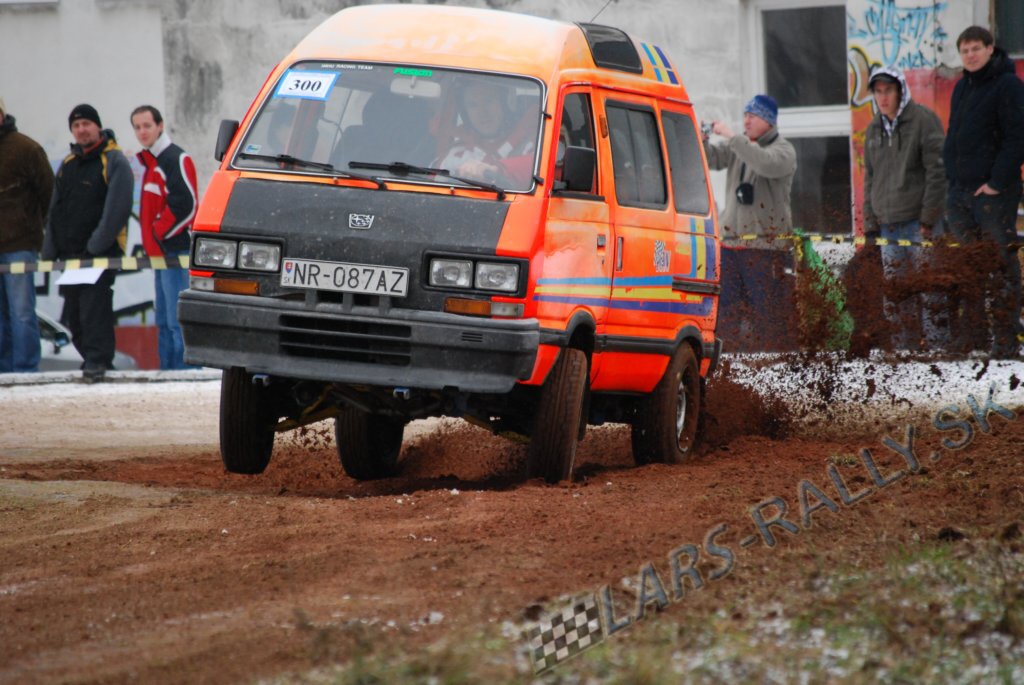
903, 173
985, 141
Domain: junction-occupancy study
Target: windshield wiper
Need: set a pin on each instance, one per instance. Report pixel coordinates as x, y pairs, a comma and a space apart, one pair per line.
398, 168
324, 166
405, 168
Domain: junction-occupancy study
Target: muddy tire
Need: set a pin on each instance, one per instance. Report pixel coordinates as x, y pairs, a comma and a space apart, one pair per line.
556, 427
246, 423
665, 430
368, 445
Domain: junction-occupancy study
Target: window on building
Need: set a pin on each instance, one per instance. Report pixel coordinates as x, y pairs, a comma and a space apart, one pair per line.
800, 61
802, 68
1009, 23
636, 156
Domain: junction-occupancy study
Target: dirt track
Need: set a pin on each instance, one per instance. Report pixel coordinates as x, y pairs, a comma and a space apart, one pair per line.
129, 555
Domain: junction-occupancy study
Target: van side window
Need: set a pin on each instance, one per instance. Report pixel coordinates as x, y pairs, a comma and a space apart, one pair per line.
689, 184
636, 156
577, 129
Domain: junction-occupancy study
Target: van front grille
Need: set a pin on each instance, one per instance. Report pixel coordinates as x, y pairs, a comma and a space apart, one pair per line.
355, 341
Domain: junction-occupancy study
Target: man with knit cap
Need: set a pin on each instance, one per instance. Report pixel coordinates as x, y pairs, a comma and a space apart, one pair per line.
89, 214
904, 196
757, 309
26, 183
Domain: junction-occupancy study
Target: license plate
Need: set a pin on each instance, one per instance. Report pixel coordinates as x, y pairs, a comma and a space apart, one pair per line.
348, 278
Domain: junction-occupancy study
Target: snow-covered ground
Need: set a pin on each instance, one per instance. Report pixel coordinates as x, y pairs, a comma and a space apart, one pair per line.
824, 392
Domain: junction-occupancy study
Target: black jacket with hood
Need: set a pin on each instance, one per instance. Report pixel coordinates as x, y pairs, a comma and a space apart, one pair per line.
985, 141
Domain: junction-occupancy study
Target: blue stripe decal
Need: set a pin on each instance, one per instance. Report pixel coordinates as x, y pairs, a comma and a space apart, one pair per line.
710, 253
565, 299
693, 253
664, 59
643, 280
574, 281
650, 55
702, 308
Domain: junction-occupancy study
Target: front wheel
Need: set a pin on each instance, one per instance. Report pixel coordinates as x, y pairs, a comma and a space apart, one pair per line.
556, 428
665, 431
368, 445
246, 423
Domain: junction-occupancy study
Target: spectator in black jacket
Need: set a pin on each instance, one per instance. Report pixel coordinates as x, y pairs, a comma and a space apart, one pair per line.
983, 154
89, 212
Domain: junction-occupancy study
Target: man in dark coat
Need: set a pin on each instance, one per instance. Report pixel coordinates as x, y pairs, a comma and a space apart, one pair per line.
26, 183
983, 155
89, 218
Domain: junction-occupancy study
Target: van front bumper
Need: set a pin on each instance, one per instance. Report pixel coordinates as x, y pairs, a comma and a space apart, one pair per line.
357, 345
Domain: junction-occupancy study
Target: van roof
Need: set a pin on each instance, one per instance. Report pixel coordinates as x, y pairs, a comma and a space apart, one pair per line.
472, 38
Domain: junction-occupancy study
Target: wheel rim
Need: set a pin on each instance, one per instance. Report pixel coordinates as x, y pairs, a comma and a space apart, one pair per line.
681, 400
683, 396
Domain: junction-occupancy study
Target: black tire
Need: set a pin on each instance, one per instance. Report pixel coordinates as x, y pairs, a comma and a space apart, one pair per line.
665, 430
556, 426
246, 423
368, 445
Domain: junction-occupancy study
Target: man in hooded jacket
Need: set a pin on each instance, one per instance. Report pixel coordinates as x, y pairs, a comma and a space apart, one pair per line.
904, 194
983, 155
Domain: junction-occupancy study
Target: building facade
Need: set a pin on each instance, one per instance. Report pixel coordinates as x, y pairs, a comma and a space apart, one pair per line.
202, 60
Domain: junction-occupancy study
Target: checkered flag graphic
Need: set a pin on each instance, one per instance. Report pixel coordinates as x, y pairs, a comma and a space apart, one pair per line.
565, 634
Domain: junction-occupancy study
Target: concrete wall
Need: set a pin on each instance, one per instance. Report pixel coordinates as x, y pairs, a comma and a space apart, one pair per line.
200, 61
218, 52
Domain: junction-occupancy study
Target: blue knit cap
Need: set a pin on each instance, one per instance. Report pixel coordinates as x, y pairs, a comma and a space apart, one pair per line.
763, 106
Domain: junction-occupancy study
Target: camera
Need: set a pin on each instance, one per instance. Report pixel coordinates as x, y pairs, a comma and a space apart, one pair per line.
705, 129
745, 193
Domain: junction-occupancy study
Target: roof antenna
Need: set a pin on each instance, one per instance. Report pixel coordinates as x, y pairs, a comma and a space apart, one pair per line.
599, 12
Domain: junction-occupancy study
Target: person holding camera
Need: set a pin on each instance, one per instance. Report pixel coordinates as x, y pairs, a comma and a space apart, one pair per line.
757, 306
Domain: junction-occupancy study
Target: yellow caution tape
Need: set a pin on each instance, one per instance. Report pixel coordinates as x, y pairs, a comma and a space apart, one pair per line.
120, 263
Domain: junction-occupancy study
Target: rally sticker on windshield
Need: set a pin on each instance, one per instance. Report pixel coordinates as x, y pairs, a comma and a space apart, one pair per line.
307, 85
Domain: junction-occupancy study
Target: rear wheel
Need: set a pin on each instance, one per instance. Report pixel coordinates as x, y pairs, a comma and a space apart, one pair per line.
665, 431
246, 423
368, 445
556, 428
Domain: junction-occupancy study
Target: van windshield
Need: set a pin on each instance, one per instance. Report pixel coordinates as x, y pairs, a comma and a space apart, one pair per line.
426, 124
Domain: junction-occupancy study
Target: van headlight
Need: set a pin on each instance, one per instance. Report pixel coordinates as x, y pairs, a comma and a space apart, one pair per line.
451, 273
258, 256
503, 277
217, 254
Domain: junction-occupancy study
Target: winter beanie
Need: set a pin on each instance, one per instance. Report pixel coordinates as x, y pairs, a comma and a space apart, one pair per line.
84, 112
763, 106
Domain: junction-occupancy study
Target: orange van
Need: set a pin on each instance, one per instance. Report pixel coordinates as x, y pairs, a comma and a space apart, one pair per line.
433, 210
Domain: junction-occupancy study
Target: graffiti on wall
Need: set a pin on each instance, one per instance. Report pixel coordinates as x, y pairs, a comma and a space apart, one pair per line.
902, 33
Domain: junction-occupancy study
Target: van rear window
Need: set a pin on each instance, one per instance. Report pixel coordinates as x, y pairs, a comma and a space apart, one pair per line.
612, 48
406, 122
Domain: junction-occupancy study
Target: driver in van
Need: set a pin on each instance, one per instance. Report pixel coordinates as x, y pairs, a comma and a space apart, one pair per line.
490, 145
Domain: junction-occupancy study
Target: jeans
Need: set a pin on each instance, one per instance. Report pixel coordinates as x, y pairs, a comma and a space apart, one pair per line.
19, 328
898, 263
167, 285
987, 221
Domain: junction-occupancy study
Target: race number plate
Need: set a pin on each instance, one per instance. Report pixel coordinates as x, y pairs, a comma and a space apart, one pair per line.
348, 278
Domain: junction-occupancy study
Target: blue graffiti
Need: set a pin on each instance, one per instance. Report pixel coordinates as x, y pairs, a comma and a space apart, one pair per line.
902, 31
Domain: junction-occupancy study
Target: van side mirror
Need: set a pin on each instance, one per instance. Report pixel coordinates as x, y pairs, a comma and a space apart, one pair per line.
578, 168
228, 128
